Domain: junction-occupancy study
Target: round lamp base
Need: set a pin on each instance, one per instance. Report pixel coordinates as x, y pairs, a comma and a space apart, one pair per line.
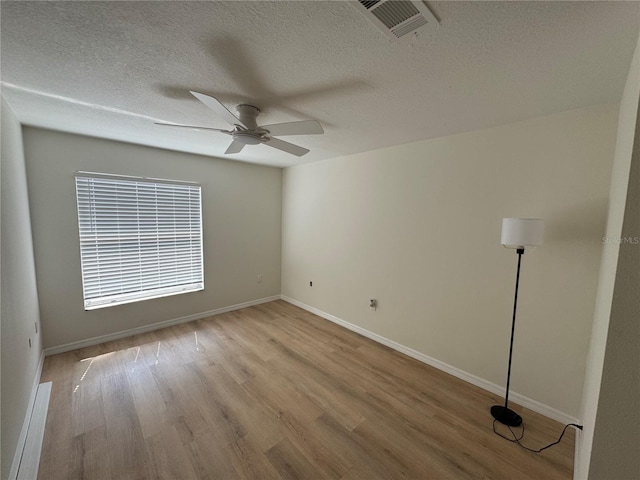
506, 416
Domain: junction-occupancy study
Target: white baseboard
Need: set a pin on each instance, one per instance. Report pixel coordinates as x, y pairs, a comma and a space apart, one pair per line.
577, 475
30, 461
154, 326
17, 456
456, 372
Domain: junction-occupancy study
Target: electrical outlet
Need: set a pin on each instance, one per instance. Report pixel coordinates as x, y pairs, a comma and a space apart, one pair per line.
373, 304
311, 284
259, 278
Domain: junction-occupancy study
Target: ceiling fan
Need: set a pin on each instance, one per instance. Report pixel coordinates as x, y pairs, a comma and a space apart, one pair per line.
246, 130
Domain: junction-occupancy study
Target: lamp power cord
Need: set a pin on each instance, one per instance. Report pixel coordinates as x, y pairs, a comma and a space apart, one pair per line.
516, 438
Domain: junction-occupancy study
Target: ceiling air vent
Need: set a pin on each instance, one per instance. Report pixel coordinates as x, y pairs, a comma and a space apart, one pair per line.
397, 18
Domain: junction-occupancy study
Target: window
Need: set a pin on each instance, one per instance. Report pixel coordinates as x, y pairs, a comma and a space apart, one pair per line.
139, 238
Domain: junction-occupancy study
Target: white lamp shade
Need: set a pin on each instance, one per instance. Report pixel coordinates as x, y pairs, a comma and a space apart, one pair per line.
522, 232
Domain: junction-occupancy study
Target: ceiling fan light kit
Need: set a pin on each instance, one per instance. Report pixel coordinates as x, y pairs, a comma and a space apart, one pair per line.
246, 130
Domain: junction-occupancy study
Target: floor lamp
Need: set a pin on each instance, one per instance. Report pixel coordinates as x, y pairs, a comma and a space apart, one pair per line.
517, 233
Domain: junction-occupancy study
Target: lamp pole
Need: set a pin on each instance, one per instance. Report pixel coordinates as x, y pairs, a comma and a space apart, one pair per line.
505, 414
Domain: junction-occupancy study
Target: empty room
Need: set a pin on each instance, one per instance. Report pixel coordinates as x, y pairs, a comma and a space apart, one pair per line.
320, 240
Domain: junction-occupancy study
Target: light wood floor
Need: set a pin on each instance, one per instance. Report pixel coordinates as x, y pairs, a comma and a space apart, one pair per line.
275, 392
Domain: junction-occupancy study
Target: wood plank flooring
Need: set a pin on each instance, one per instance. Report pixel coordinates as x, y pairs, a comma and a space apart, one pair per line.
274, 392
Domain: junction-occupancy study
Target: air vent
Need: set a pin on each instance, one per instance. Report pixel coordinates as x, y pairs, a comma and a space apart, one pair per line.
397, 18
369, 4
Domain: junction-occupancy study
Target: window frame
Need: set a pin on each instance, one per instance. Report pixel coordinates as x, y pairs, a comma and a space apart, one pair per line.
177, 204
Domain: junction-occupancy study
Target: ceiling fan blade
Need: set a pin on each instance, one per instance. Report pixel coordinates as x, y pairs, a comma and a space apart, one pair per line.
215, 105
304, 127
234, 147
195, 127
287, 147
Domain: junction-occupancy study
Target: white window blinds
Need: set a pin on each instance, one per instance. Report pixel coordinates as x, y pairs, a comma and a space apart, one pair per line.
139, 238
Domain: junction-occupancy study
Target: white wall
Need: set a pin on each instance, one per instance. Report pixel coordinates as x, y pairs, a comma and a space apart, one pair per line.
617, 428
241, 228
611, 399
417, 226
19, 311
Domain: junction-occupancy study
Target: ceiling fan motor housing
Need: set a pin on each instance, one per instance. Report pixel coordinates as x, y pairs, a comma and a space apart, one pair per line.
247, 115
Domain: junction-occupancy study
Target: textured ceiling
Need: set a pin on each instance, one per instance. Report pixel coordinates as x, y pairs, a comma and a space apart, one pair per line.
110, 69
